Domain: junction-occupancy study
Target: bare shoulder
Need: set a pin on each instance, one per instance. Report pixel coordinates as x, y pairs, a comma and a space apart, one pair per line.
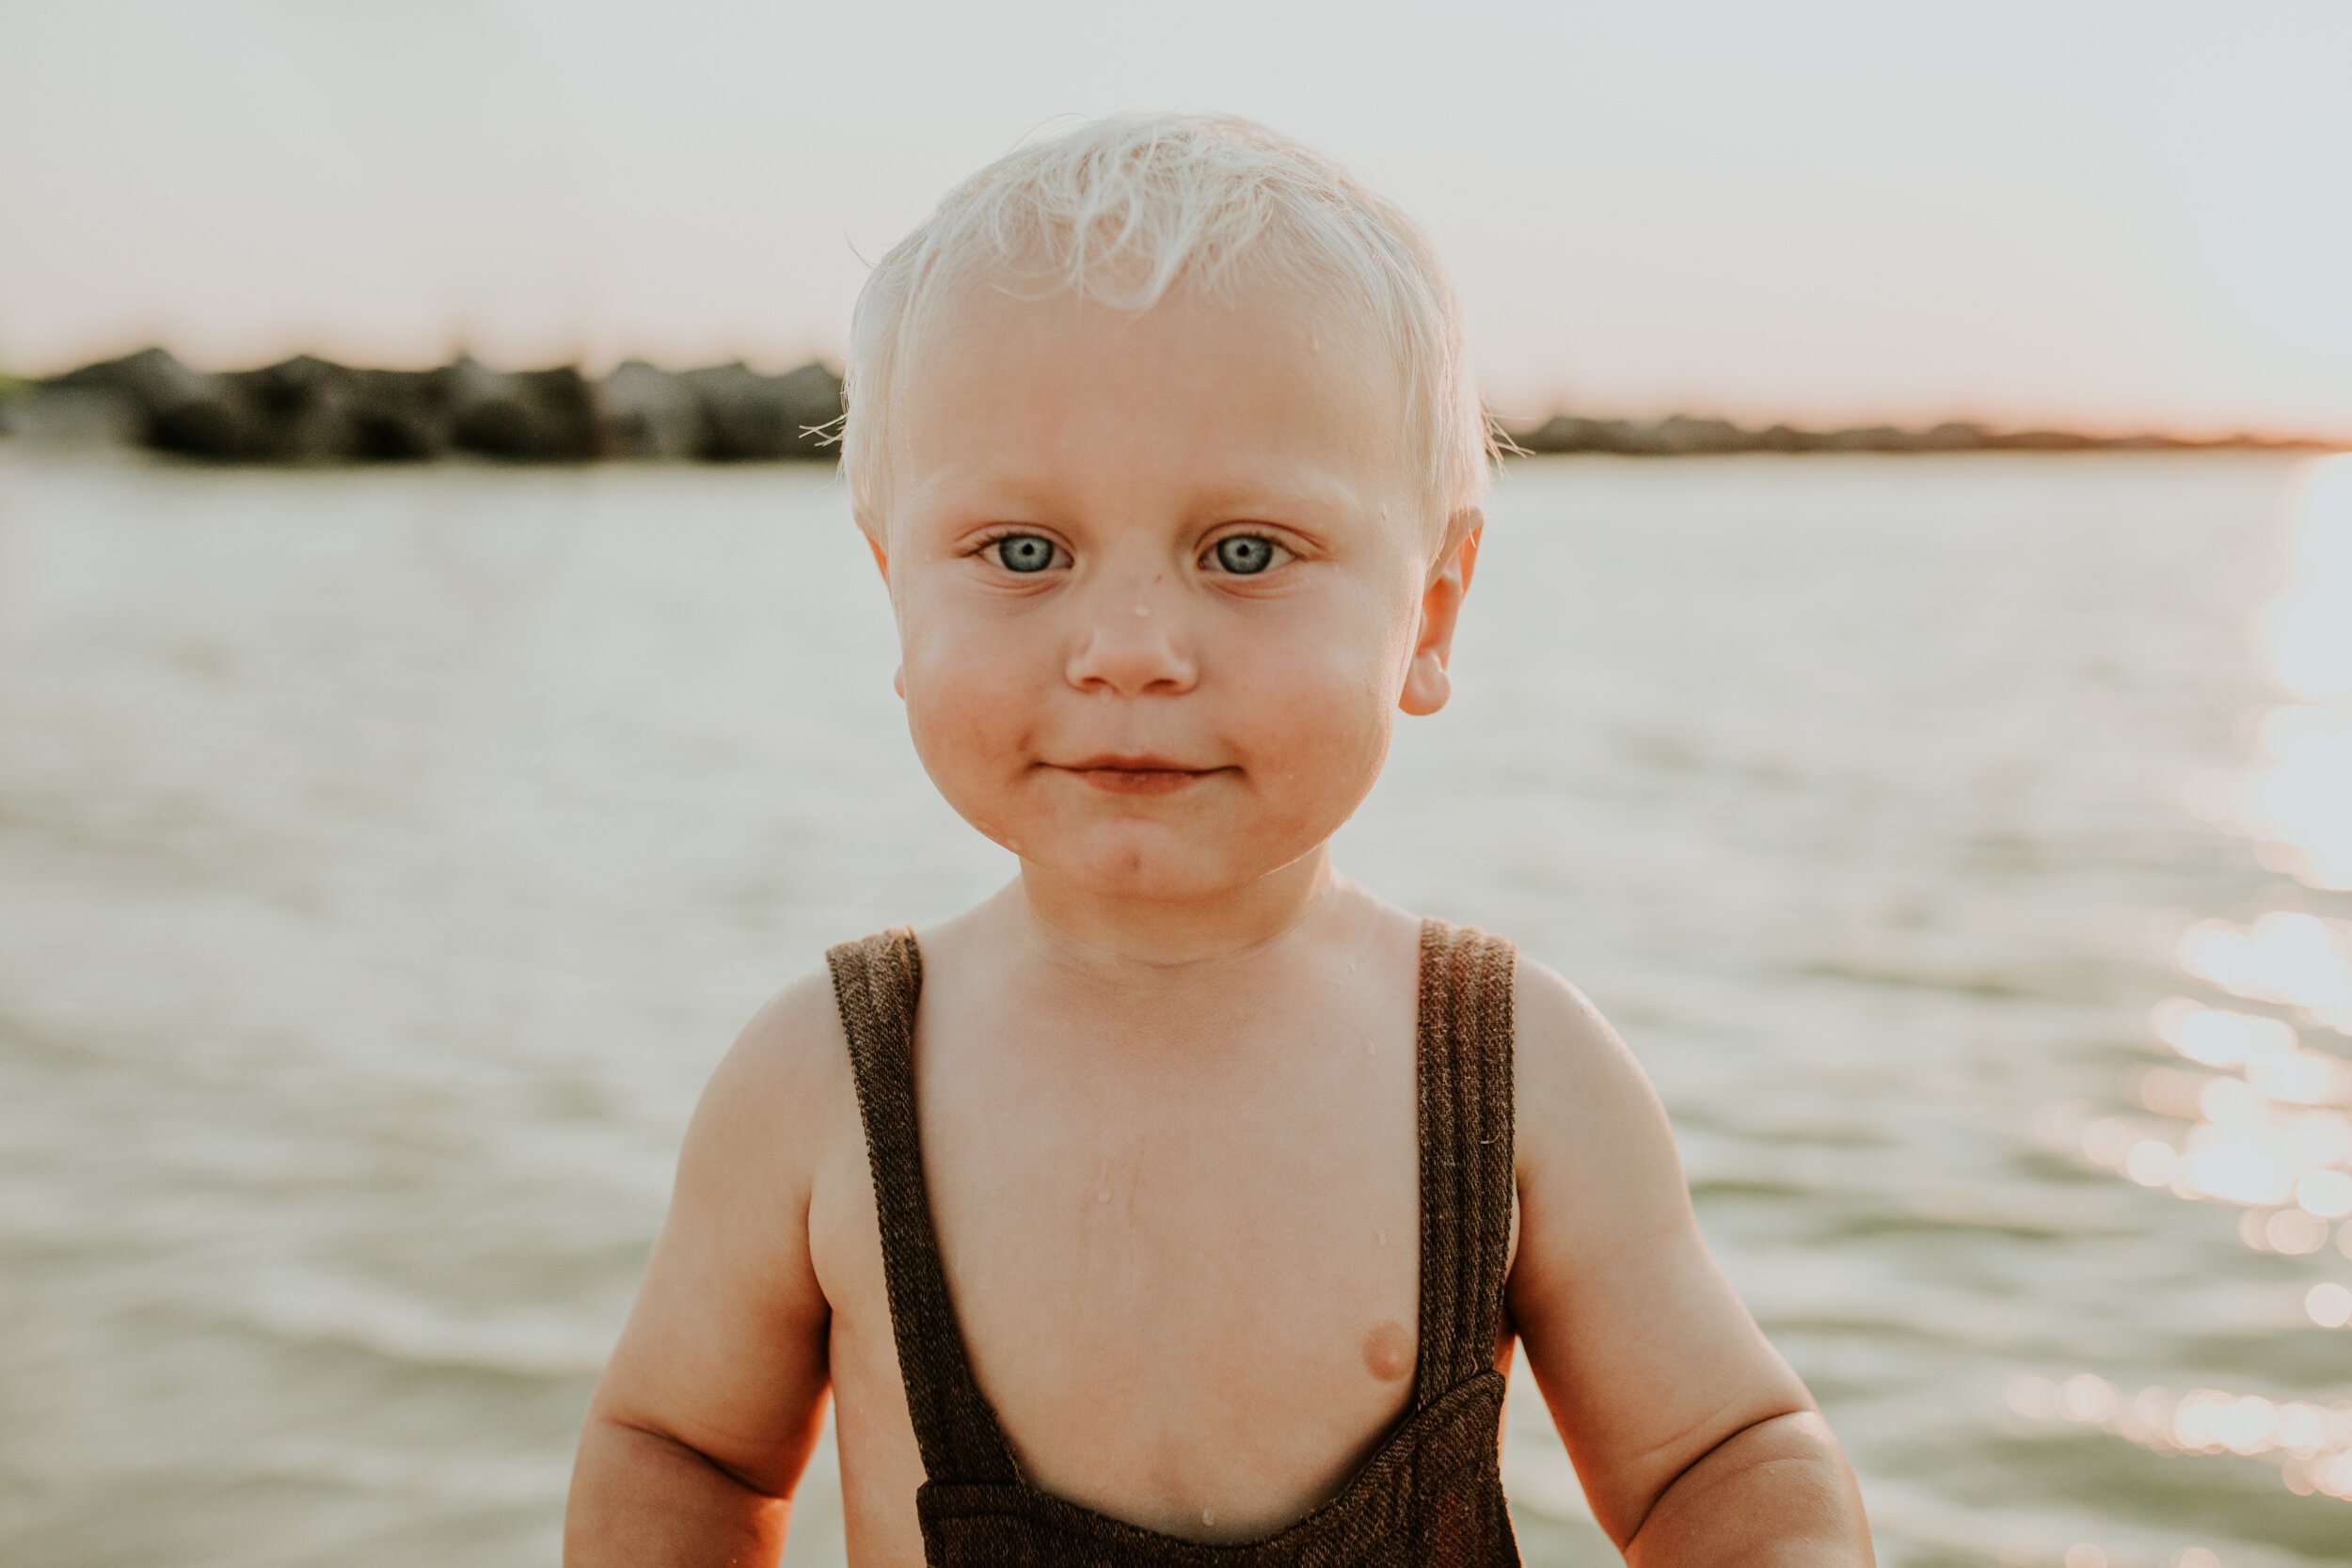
798, 1032
775, 1105
1557, 1027
1585, 1107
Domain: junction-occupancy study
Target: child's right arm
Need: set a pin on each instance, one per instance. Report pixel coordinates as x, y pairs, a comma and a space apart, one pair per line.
707, 1410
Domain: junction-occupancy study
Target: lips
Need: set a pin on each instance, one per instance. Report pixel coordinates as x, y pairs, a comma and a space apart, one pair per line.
1117, 773
1111, 762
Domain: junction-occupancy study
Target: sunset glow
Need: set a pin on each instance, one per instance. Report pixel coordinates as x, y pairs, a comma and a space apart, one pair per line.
1807, 214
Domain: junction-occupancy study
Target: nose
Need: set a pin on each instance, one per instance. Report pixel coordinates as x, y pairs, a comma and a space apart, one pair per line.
1131, 642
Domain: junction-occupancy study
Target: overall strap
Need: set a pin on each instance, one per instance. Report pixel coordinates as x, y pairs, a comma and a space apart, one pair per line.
1466, 1176
876, 981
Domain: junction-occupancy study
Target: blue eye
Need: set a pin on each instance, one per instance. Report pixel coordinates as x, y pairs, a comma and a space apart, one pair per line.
1244, 554
1024, 552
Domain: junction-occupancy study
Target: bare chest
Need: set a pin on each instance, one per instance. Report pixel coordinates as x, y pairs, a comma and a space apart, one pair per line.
1185, 1269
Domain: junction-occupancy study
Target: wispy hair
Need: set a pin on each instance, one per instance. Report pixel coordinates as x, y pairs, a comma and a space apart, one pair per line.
1125, 208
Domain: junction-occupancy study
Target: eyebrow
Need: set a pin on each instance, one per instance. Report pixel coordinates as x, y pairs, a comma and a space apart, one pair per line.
1015, 490
1315, 495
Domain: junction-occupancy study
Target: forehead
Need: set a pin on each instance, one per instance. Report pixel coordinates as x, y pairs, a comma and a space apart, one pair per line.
1225, 392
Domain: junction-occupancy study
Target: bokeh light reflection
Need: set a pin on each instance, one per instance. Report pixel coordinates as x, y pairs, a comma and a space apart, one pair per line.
2253, 1107
2271, 1133
2311, 1441
2292, 803
2329, 1304
2291, 959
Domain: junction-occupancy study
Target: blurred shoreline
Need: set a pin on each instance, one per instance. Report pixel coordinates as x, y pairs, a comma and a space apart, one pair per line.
307, 411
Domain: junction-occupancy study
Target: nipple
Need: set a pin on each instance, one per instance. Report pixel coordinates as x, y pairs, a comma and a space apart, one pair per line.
1387, 1355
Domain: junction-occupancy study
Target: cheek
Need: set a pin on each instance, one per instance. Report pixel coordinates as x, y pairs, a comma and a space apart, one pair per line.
1319, 712
961, 700
967, 696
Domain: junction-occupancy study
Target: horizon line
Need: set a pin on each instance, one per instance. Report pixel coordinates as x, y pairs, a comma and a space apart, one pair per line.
1571, 427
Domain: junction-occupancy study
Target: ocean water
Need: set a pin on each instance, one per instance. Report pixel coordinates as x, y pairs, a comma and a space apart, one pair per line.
1964, 846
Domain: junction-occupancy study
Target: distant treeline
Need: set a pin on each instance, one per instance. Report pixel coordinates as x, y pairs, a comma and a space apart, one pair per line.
1683, 436
311, 410
307, 410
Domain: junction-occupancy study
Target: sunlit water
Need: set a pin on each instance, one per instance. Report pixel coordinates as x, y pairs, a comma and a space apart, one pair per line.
1964, 846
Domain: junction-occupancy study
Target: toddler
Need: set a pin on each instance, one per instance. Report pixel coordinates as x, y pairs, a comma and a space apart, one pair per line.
1184, 1202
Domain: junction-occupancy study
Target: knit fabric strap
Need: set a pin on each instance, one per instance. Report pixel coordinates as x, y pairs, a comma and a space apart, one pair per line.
1465, 1178
876, 981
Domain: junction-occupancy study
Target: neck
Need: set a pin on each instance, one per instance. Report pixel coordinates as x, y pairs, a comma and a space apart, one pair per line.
1173, 940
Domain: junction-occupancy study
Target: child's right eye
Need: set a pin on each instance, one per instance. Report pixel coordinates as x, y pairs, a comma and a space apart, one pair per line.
1023, 552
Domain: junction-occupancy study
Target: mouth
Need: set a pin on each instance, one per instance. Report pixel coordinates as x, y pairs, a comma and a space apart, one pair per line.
1137, 775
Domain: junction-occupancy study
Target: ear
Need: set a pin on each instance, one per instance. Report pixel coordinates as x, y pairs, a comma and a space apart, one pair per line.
881, 564
1426, 684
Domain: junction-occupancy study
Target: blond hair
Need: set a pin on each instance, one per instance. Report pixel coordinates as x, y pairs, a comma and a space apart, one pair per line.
1125, 207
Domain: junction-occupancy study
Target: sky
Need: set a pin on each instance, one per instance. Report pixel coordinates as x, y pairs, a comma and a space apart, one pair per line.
2106, 216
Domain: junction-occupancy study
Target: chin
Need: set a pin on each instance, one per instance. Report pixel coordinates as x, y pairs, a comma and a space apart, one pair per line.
1134, 870
1142, 860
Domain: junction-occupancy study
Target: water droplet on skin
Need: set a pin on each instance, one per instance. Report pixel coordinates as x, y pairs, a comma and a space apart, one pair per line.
1143, 610
1104, 1195
1208, 1515
1370, 1048
1384, 1237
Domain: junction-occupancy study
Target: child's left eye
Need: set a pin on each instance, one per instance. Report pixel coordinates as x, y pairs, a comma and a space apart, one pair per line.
1245, 554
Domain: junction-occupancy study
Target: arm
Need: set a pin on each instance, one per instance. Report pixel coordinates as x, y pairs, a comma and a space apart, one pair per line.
1694, 1442
1778, 1493
707, 1411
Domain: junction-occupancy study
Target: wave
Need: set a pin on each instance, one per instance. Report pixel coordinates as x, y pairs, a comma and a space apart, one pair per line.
314, 1308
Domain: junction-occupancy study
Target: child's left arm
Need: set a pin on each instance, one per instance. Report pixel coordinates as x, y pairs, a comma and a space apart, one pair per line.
1694, 1440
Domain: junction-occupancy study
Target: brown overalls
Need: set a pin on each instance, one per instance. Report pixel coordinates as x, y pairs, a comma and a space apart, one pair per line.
1430, 1496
